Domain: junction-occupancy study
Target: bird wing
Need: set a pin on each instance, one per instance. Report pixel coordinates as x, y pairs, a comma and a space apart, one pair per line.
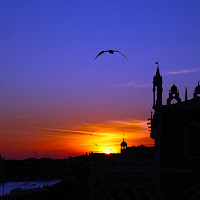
91, 132
121, 53
101, 53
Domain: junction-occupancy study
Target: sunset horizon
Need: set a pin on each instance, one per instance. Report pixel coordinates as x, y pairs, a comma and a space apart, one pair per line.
57, 100
107, 137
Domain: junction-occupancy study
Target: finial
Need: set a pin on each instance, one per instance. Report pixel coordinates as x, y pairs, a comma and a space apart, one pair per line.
198, 83
158, 71
123, 136
173, 82
157, 63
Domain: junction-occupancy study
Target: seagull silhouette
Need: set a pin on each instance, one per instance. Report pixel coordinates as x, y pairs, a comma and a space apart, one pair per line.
91, 132
110, 51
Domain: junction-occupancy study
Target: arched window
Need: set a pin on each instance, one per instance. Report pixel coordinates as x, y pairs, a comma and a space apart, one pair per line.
173, 101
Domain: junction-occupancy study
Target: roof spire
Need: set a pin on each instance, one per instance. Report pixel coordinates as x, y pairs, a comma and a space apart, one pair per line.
186, 98
158, 71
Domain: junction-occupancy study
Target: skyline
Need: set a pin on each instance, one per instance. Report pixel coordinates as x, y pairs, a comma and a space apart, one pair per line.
53, 92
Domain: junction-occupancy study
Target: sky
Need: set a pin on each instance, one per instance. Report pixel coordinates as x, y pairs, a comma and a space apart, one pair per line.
53, 93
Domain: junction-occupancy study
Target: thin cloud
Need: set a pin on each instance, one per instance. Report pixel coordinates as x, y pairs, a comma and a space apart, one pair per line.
61, 130
125, 122
183, 71
131, 126
111, 130
68, 131
134, 84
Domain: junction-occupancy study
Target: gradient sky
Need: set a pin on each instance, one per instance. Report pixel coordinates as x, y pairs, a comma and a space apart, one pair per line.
52, 91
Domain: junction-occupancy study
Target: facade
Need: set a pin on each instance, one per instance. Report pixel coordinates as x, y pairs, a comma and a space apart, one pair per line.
175, 127
118, 177
130, 175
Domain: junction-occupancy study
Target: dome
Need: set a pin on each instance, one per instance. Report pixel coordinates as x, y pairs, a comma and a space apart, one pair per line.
124, 144
197, 89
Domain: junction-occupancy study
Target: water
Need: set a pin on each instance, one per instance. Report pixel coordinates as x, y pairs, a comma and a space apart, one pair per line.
24, 185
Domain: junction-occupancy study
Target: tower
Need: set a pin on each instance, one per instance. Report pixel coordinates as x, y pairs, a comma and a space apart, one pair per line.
157, 85
157, 106
123, 145
186, 96
173, 94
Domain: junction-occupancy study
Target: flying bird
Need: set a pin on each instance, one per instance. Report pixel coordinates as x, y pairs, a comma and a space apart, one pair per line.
91, 132
110, 51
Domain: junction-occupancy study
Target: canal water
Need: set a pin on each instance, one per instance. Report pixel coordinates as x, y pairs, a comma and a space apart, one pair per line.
24, 185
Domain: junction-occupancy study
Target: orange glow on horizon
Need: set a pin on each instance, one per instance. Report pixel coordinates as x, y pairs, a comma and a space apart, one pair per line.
75, 141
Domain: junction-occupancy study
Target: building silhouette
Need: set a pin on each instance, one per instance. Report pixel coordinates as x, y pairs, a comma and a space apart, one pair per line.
175, 127
123, 145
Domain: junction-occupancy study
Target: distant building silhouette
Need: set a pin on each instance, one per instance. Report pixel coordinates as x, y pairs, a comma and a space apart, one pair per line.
137, 152
123, 146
